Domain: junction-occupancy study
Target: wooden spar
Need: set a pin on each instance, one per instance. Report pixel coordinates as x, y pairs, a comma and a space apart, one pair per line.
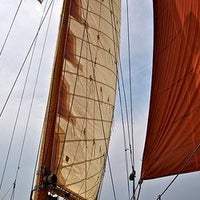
50, 118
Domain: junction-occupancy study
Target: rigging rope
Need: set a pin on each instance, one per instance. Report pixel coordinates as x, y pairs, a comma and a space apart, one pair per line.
181, 170
126, 113
20, 104
131, 95
9, 30
124, 135
130, 148
14, 128
13, 191
140, 187
34, 90
122, 119
33, 95
24, 61
6, 193
127, 121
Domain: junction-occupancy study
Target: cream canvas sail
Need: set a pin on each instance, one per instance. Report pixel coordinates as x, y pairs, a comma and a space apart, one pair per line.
80, 110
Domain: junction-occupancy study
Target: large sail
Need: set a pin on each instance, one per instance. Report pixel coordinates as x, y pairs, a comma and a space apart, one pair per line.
80, 108
173, 135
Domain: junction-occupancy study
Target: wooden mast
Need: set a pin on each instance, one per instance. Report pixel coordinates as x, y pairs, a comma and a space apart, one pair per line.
50, 119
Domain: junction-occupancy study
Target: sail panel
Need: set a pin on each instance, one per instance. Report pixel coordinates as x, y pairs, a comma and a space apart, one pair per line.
173, 135
86, 96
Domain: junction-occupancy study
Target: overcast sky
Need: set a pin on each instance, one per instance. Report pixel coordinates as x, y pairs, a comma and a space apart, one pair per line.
186, 186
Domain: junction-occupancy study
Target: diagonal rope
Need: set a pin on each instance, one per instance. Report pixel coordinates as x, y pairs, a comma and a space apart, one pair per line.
14, 128
126, 114
124, 135
24, 61
181, 170
34, 90
20, 104
131, 95
33, 94
6, 193
10, 28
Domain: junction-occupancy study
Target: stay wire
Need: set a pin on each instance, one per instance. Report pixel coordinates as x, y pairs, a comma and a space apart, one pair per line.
130, 84
126, 114
131, 141
19, 108
24, 61
124, 135
127, 120
36, 82
6, 193
177, 175
14, 128
123, 120
15, 125
33, 95
10, 28
139, 185
13, 192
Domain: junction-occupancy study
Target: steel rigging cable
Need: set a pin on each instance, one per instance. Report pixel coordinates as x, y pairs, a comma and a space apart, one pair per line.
19, 108
9, 30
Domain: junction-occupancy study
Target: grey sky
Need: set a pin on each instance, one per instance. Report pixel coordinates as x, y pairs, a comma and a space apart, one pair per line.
186, 187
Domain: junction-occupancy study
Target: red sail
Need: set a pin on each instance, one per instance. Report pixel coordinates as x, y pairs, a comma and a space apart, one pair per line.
173, 133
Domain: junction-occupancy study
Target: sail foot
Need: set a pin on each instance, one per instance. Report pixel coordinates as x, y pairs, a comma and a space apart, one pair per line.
54, 190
